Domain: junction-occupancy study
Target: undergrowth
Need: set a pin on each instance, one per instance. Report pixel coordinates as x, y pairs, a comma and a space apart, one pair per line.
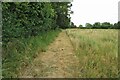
19, 53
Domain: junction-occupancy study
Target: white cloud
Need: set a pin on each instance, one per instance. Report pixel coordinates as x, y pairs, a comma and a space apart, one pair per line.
92, 11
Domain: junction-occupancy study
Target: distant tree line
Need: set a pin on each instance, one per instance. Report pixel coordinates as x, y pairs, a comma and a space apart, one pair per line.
26, 19
98, 25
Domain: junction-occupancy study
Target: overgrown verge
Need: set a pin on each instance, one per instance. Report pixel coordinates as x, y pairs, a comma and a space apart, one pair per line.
20, 52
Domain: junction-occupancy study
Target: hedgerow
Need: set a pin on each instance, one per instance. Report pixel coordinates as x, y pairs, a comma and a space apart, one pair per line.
27, 29
26, 19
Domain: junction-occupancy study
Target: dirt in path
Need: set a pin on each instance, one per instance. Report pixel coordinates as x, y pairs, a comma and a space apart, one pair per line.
59, 61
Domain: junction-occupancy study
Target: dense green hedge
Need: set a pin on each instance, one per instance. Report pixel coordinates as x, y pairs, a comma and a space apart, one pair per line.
25, 19
28, 28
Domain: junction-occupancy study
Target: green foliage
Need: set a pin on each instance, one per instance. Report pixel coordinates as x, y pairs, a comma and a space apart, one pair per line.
27, 27
20, 52
26, 19
22, 19
62, 9
96, 25
72, 25
88, 25
104, 25
116, 25
80, 26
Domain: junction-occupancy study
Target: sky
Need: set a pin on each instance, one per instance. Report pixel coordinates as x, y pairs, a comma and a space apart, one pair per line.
91, 11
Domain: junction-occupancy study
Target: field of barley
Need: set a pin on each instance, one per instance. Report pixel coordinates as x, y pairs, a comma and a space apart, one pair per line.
97, 52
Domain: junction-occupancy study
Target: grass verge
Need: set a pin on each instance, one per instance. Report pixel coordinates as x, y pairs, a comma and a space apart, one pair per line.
21, 52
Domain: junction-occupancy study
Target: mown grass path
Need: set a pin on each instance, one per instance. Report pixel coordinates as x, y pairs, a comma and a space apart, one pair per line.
59, 61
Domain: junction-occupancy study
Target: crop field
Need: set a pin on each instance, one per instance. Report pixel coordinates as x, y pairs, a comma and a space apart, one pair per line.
96, 50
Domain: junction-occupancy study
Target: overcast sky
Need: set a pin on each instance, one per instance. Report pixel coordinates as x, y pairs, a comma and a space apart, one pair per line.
91, 11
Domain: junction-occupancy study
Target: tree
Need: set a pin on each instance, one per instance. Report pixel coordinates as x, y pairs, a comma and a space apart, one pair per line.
97, 25
63, 14
80, 26
116, 25
72, 25
88, 25
26, 19
106, 25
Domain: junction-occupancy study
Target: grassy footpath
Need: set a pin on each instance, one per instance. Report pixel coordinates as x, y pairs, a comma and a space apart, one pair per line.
97, 51
21, 52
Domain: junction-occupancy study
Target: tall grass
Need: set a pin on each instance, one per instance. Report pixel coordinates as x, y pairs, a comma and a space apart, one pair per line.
21, 52
97, 51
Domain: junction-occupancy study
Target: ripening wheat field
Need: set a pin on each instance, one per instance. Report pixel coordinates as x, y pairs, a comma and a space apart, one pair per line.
97, 51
